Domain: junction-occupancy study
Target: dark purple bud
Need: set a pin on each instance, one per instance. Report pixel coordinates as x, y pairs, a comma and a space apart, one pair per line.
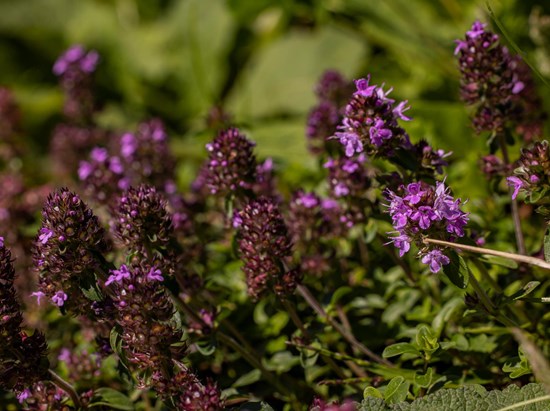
231, 163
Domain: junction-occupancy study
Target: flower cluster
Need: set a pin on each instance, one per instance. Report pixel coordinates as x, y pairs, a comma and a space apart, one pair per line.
370, 123
70, 143
332, 91
102, 176
68, 250
75, 68
136, 158
142, 224
313, 222
82, 366
43, 396
493, 166
23, 359
188, 393
264, 245
144, 311
495, 81
146, 155
231, 163
420, 210
348, 177
532, 176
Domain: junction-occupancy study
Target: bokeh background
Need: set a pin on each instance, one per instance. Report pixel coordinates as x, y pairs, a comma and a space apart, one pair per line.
259, 60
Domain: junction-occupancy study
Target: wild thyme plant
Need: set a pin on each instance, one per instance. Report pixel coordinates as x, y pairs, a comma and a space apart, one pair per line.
257, 288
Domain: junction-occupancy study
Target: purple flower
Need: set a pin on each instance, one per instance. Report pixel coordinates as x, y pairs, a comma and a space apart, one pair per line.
45, 235
118, 275
155, 274
363, 88
23, 395
308, 200
77, 57
378, 133
403, 243
435, 259
351, 141
59, 298
85, 169
516, 183
419, 210
370, 122
38, 295
400, 109
128, 145
99, 154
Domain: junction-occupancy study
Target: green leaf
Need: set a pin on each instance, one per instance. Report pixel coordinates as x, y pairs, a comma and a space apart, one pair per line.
115, 341
308, 358
501, 261
112, 398
248, 378
90, 289
426, 339
397, 390
456, 271
338, 294
424, 380
400, 348
372, 392
206, 347
525, 290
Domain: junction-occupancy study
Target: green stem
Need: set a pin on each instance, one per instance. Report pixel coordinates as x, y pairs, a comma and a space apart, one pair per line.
328, 353
65, 386
349, 337
487, 251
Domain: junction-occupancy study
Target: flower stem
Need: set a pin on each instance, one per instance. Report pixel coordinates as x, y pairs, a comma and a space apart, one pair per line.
312, 301
479, 250
65, 386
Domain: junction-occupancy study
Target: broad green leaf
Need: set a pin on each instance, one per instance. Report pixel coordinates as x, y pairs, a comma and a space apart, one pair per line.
456, 271
473, 397
400, 348
397, 390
